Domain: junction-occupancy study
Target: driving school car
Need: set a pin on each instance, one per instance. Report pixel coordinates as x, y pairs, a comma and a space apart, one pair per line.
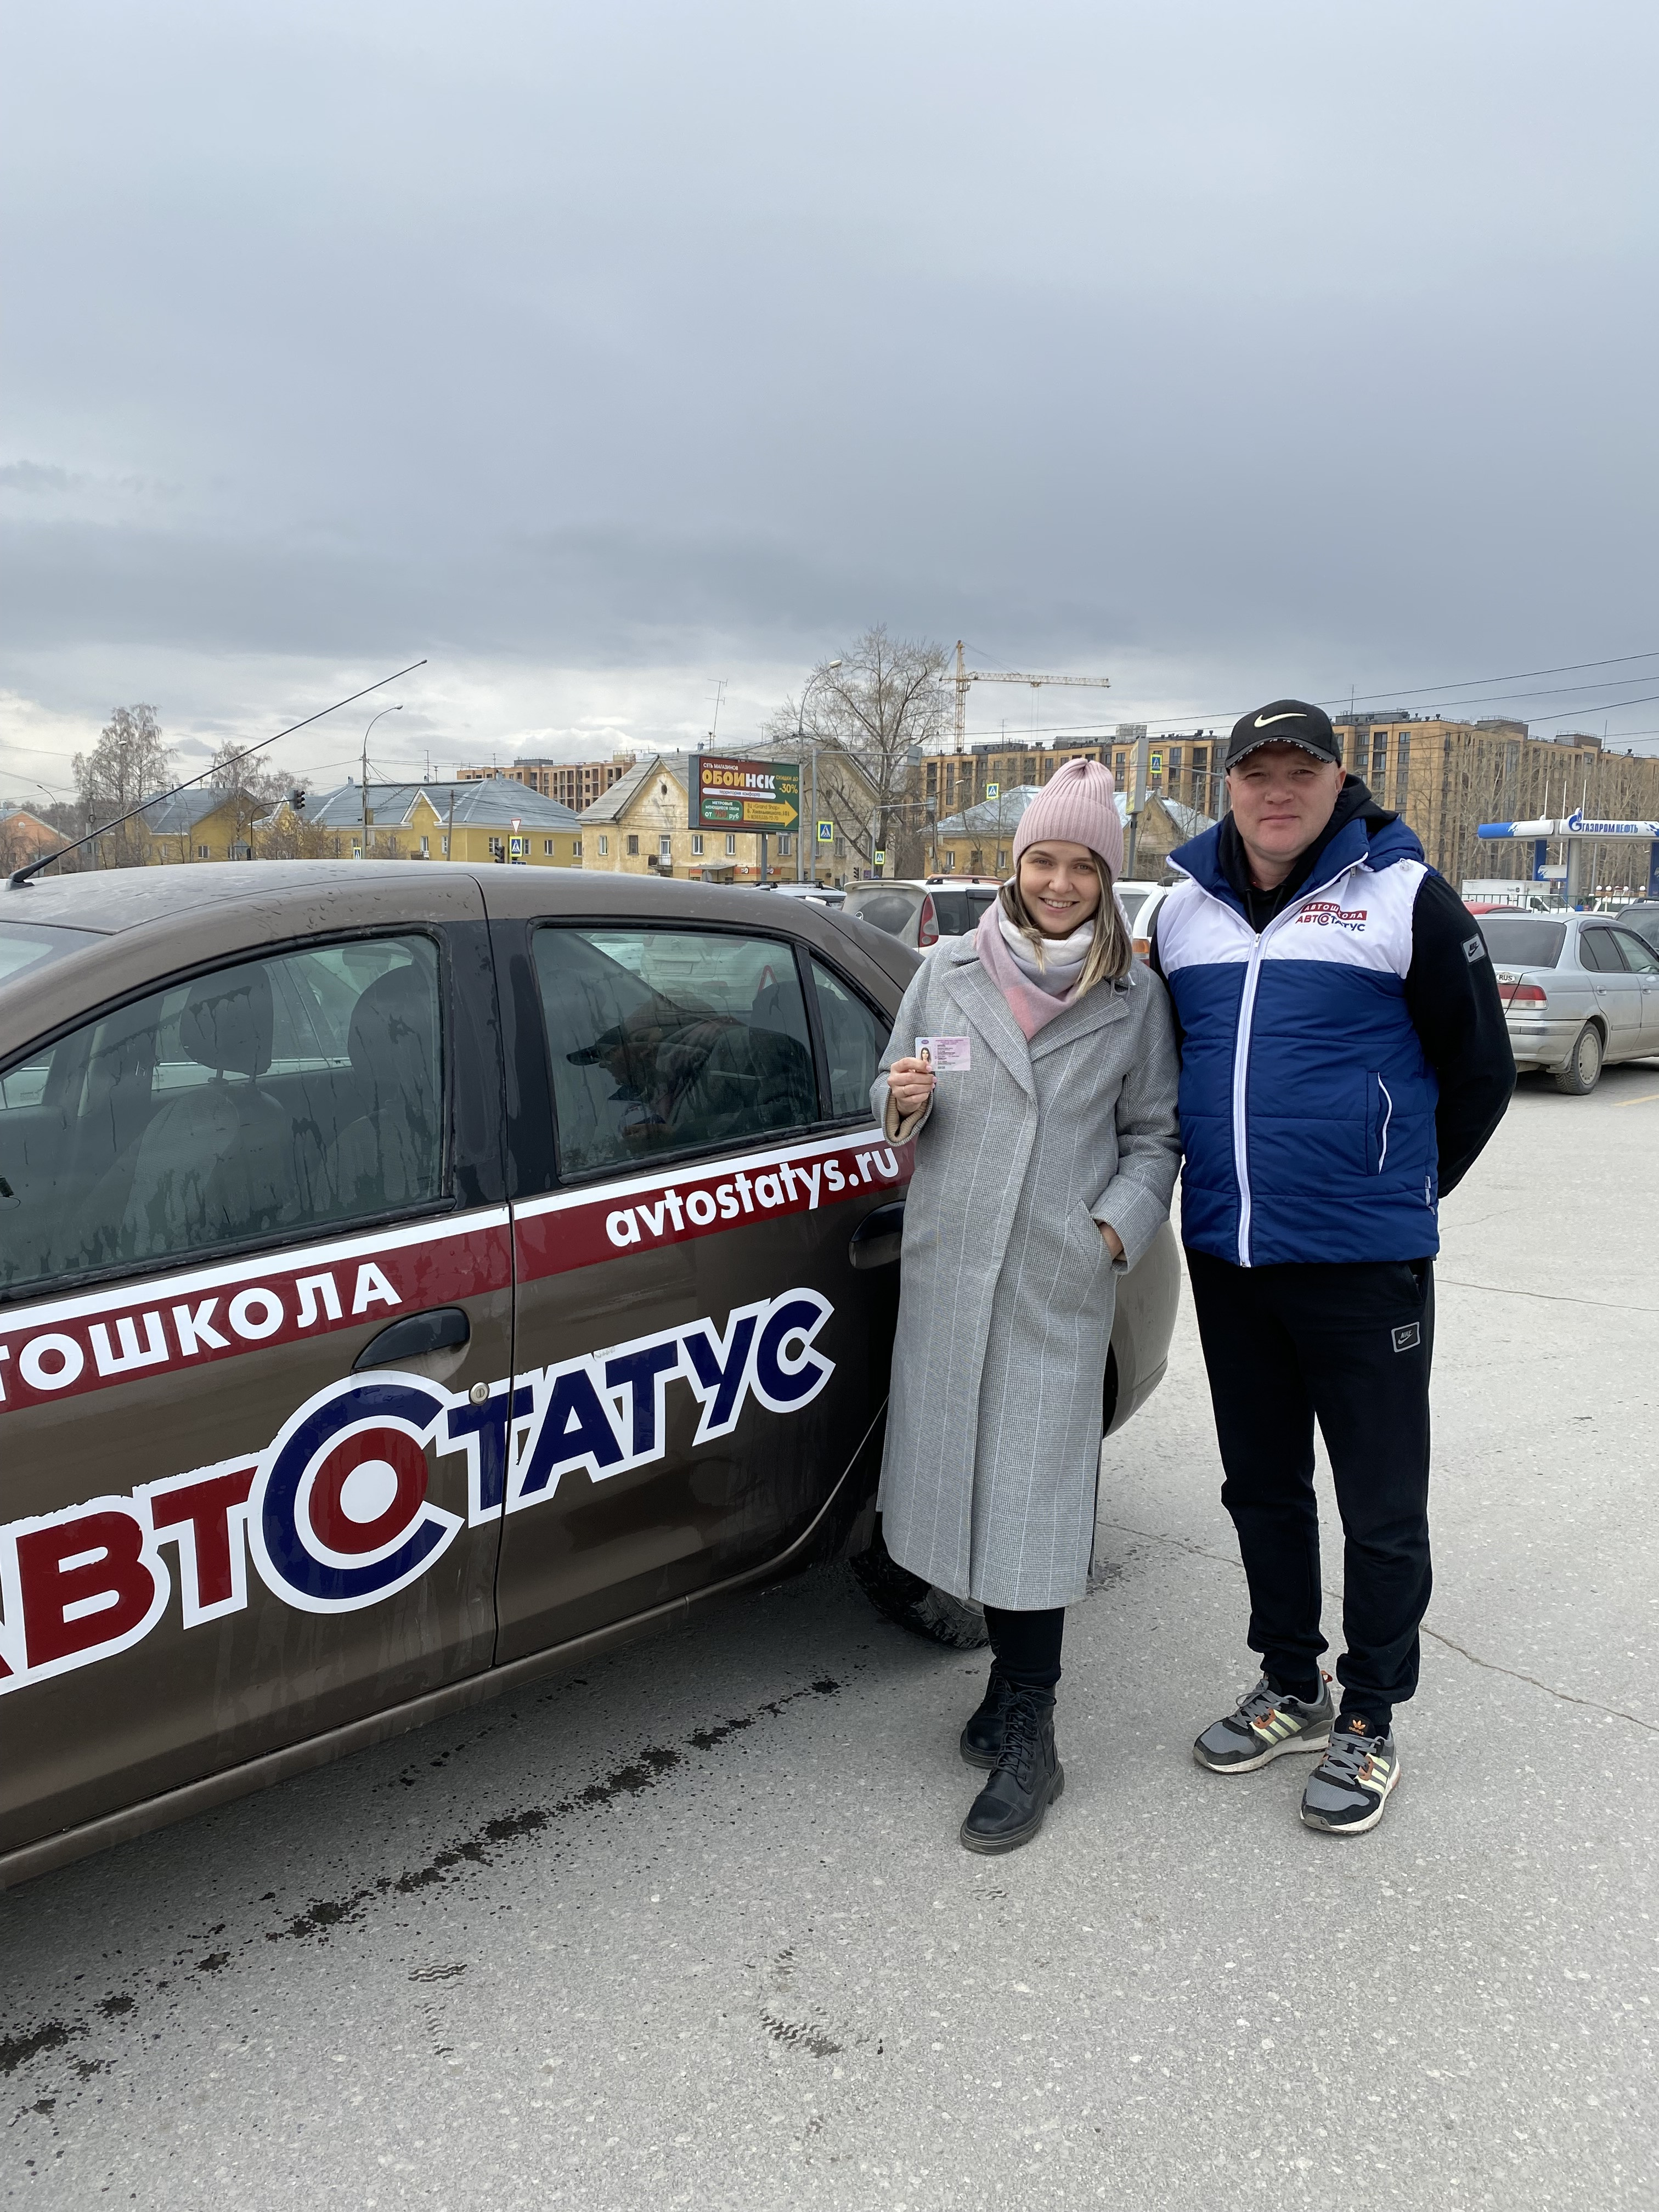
412, 1278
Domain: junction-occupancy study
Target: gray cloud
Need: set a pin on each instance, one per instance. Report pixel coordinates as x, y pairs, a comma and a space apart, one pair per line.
1231, 347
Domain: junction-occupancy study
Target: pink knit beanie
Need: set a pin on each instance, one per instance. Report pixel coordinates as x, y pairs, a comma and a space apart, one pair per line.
1078, 804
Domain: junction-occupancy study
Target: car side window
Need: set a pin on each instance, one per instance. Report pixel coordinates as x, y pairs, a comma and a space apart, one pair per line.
1598, 952
260, 1100
668, 1040
1639, 956
853, 1041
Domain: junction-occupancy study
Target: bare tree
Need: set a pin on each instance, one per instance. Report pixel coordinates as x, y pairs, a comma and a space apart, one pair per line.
879, 706
288, 836
252, 788
129, 763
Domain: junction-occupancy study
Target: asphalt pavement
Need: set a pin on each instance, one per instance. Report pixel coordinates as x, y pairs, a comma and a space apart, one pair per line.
694, 1927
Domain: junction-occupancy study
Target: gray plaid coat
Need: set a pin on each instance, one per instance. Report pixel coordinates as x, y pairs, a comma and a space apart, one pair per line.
988, 1483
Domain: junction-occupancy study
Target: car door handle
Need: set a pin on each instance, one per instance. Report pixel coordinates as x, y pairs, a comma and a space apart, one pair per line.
441, 1330
875, 1242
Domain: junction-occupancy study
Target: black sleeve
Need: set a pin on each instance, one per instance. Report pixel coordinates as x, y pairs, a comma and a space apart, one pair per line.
1451, 994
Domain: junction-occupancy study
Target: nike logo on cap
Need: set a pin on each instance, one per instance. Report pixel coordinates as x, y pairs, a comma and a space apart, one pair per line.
1290, 715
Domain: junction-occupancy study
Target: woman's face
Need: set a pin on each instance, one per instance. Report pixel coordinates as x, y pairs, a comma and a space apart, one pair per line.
1060, 885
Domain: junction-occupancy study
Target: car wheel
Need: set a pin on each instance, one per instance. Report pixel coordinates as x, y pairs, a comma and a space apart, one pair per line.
900, 1596
1584, 1069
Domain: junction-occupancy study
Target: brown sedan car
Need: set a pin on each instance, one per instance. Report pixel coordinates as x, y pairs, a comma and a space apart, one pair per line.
413, 1278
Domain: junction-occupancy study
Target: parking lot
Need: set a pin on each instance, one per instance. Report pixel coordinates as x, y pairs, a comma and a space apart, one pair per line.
693, 1927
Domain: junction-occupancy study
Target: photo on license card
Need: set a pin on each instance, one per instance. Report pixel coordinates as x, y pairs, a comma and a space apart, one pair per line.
944, 1054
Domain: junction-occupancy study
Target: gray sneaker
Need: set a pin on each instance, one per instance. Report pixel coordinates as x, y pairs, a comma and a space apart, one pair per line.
1348, 1788
1266, 1725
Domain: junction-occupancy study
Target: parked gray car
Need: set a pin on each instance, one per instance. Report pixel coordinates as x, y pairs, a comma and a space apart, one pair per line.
1578, 991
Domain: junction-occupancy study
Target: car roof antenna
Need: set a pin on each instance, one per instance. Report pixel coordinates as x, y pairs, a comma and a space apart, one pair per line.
19, 878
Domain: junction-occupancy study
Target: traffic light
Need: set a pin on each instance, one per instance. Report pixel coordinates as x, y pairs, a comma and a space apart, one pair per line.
296, 800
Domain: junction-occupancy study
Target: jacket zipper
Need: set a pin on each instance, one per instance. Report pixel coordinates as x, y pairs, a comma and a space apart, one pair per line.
1242, 1048
1382, 1157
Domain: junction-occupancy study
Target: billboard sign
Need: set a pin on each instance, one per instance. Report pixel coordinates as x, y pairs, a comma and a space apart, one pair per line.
743, 794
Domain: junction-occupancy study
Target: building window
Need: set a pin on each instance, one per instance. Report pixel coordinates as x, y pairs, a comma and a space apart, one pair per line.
786, 846
426, 850
633, 848
605, 848
445, 844
697, 844
201, 851
576, 848
547, 846
731, 843
950, 859
1401, 773
1379, 759
495, 845
1002, 858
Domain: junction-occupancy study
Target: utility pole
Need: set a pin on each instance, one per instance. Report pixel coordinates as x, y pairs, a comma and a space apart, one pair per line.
363, 795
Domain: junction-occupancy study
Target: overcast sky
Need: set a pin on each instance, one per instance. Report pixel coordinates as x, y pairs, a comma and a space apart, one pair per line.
601, 353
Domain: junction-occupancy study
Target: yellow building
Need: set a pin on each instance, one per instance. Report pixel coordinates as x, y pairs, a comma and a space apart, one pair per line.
201, 824
642, 827
493, 819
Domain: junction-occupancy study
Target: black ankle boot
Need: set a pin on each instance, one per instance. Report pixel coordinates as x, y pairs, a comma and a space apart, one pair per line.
981, 1739
1027, 1778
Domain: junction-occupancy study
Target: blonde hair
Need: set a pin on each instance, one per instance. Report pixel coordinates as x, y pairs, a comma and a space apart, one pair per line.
1110, 953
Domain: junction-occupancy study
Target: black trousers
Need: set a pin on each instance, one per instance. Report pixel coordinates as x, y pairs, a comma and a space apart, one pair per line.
1027, 1644
1350, 1347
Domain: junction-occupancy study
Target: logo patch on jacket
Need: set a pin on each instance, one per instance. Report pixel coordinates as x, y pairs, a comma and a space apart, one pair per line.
1475, 948
1405, 1340
1331, 913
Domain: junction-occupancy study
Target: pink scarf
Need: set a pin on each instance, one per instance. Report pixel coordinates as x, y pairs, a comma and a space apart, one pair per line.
1031, 1008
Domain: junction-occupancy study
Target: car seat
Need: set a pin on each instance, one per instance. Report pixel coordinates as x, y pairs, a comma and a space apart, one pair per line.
392, 1153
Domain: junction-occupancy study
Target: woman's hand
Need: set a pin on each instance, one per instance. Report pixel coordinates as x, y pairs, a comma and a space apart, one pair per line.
1113, 1242
911, 1083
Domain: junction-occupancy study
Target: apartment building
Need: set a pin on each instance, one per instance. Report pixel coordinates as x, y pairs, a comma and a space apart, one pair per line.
574, 784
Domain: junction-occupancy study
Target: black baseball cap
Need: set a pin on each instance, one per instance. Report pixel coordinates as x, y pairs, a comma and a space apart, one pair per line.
1283, 722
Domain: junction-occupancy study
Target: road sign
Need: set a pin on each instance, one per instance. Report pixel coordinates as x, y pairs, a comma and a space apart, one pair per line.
993, 791
743, 794
517, 822
881, 856
515, 845
826, 833
1155, 764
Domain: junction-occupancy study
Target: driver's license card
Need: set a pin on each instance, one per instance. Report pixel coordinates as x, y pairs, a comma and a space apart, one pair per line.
944, 1052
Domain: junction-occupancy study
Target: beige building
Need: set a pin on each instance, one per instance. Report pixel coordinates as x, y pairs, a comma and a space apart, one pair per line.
642, 826
953, 782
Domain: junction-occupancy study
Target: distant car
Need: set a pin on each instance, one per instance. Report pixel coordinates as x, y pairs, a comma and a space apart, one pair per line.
1578, 991
1140, 901
918, 911
413, 1278
820, 894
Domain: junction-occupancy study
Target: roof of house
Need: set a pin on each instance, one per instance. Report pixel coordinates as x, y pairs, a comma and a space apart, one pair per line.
1189, 821
627, 788
494, 803
178, 812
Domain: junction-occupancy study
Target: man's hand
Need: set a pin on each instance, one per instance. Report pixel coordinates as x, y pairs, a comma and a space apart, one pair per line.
911, 1083
1113, 1242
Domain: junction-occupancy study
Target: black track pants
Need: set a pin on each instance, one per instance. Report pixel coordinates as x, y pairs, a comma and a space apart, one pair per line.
1027, 1644
1348, 1345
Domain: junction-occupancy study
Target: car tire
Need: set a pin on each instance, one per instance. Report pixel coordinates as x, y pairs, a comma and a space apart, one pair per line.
1584, 1069
905, 1599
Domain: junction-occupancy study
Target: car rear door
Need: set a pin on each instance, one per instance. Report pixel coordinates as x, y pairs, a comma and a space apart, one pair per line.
1643, 964
1618, 992
227, 1186
702, 1356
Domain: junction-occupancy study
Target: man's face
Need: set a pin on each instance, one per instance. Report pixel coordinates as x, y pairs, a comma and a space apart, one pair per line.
1282, 798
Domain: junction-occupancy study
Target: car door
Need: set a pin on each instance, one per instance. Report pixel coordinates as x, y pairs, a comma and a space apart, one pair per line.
255, 1256
1643, 962
702, 1351
1618, 992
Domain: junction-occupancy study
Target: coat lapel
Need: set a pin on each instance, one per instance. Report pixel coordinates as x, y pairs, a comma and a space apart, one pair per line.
966, 982
1103, 1005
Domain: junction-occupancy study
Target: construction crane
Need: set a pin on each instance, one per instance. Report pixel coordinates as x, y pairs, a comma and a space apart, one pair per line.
965, 676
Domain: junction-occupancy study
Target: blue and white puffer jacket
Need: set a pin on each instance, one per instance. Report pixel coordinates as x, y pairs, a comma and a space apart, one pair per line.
1307, 1104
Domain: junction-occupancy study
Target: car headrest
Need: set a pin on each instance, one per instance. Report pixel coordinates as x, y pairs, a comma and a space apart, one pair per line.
227, 1022
389, 1043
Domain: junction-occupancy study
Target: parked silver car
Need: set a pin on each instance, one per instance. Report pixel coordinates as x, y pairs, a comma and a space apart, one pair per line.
1578, 991
920, 910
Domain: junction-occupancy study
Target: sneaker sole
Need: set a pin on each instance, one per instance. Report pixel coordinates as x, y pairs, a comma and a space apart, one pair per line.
1354, 1828
987, 1848
1313, 1739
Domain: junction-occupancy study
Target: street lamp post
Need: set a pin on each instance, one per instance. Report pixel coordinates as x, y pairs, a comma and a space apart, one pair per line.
801, 742
363, 795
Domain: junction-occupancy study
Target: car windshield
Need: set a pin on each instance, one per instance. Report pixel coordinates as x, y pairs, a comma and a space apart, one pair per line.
29, 945
1516, 941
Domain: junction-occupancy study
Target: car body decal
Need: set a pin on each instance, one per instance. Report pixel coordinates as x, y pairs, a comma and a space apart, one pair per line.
334, 1513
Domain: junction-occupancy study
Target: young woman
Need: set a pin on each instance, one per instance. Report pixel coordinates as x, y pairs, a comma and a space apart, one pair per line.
1033, 1062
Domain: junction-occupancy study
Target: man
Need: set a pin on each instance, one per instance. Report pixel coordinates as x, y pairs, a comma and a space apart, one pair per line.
1344, 1060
